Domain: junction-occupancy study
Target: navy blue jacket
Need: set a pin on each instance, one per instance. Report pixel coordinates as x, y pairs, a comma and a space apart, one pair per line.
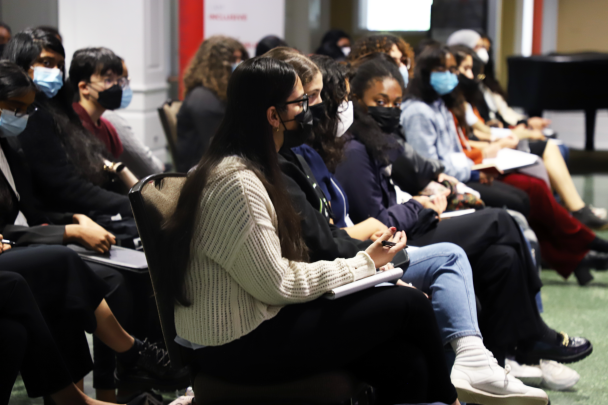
370, 190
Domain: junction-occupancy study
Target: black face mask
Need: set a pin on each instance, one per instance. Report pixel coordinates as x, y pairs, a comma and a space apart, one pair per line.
386, 117
293, 138
111, 98
468, 85
318, 113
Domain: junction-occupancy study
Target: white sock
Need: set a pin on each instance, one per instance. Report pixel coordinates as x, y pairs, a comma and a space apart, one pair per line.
468, 343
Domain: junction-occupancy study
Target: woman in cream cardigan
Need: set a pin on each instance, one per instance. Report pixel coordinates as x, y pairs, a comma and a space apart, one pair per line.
240, 264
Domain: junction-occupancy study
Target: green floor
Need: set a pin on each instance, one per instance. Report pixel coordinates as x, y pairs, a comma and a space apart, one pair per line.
568, 307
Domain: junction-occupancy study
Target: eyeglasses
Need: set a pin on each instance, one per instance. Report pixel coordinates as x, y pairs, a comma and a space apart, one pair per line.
110, 81
28, 111
303, 100
124, 82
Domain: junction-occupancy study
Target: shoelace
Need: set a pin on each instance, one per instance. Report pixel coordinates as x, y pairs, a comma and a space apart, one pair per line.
160, 355
507, 371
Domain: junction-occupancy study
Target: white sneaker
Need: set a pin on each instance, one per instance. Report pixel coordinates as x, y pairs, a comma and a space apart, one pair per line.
183, 400
557, 376
480, 380
529, 375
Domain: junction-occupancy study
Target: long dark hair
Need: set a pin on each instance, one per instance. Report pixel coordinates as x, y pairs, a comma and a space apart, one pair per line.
420, 86
255, 86
14, 82
365, 129
324, 140
82, 148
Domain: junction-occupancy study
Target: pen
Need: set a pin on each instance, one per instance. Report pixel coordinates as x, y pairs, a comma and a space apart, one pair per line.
391, 244
8, 242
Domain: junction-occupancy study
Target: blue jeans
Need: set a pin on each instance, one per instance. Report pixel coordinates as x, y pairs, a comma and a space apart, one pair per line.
443, 272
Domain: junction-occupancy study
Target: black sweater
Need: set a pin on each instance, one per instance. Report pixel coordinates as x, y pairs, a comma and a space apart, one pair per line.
56, 183
197, 121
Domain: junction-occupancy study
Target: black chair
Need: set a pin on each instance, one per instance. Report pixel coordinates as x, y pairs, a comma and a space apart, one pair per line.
153, 199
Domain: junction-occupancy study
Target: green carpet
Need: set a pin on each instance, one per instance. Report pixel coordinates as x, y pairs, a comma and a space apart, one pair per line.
580, 311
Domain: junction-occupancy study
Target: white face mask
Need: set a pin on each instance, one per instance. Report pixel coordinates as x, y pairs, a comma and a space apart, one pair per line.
483, 55
346, 50
345, 117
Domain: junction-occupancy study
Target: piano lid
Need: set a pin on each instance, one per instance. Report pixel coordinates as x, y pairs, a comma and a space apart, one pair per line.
559, 81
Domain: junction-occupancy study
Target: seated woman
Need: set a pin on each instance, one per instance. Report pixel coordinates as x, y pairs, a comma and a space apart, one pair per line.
491, 239
71, 299
241, 264
392, 45
441, 270
24, 224
71, 169
429, 127
548, 151
205, 83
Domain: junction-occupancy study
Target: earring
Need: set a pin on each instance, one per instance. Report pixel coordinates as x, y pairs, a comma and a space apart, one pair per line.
277, 129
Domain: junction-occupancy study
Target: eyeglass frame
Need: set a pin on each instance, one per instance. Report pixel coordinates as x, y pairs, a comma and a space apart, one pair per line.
29, 111
305, 106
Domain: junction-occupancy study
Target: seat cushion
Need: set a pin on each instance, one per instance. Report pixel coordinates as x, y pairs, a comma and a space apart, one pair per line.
332, 387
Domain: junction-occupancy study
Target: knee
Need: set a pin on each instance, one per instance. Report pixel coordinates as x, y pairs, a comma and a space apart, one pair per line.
14, 284
454, 252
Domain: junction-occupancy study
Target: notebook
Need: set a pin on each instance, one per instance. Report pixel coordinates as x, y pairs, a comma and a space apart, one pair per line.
119, 257
506, 160
452, 214
364, 283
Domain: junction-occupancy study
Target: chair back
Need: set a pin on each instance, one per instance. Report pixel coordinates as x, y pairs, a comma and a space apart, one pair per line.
168, 118
153, 200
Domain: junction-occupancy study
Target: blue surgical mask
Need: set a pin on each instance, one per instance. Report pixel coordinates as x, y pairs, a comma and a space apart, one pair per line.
235, 65
48, 80
11, 125
406, 75
127, 96
444, 82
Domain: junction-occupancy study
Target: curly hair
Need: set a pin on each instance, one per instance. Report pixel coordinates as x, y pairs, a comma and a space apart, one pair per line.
211, 65
324, 140
382, 43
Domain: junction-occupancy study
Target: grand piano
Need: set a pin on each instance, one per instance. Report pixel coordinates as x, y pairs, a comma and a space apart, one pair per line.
561, 82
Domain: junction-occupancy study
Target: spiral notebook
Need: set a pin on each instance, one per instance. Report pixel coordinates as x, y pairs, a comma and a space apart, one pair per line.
364, 283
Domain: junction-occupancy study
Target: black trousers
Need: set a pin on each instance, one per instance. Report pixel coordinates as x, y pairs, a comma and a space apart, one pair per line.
26, 343
352, 333
128, 298
500, 195
67, 293
505, 278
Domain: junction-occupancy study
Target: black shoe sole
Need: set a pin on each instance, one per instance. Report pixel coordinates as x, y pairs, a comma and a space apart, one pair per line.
534, 358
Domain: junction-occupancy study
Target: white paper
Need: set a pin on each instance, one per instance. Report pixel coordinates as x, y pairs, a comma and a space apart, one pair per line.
509, 159
364, 283
453, 214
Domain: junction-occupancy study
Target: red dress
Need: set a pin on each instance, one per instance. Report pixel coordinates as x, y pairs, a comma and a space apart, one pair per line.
564, 241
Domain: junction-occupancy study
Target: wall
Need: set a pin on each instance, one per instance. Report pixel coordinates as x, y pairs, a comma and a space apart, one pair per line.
582, 26
21, 14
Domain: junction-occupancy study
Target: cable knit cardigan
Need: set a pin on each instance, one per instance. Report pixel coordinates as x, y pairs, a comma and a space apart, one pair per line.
237, 277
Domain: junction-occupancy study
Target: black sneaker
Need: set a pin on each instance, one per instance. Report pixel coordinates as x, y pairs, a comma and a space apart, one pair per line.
589, 219
564, 350
151, 370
